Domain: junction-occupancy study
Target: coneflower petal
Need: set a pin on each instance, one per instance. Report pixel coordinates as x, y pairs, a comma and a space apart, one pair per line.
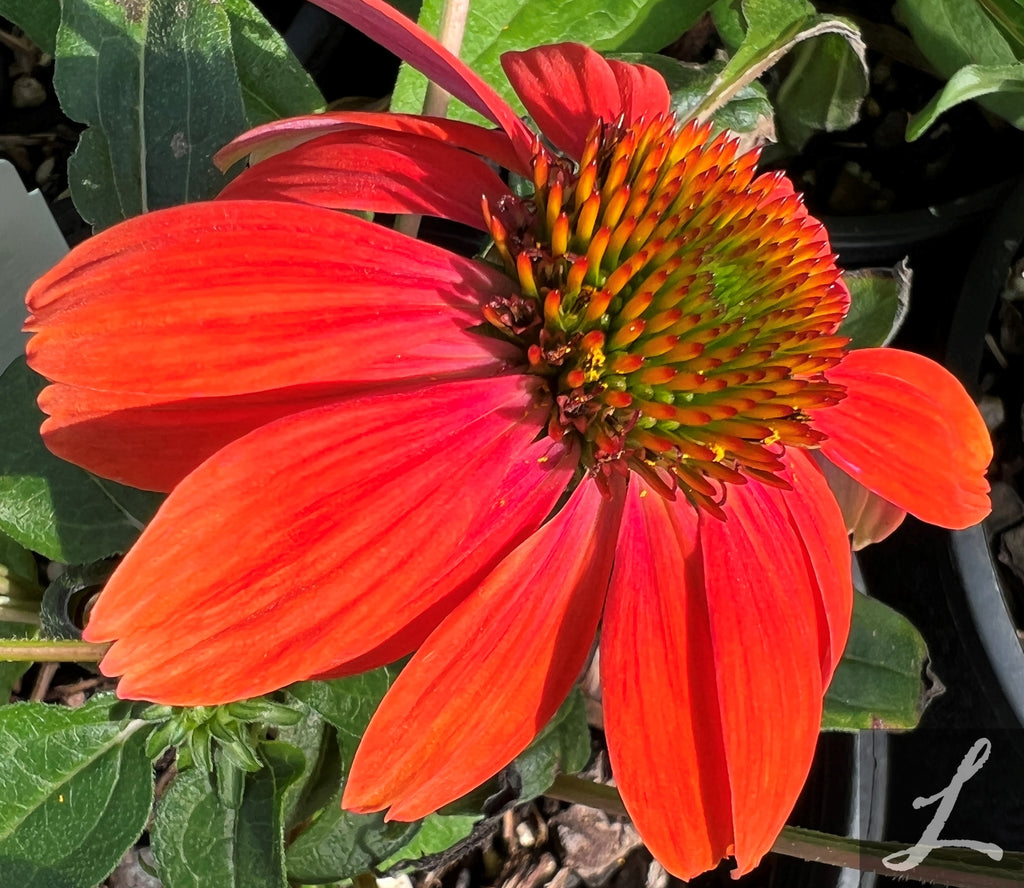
495, 671
908, 431
567, 87
235, 297
375, 171
658, 685
281, 135
710, 643
381, 22
818, 521
387, 511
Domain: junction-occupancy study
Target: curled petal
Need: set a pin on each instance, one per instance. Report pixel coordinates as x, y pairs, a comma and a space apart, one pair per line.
642, 90
908, 431
378, 172
869, 518
163, 305
322, 537
494, 672
281, 135
380, 22
711, 674
568, 87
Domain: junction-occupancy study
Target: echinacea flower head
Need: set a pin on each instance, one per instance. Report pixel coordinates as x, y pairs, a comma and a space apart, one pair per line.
377, 448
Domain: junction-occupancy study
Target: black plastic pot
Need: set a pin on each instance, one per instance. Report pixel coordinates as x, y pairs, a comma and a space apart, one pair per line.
984, 590
885, 239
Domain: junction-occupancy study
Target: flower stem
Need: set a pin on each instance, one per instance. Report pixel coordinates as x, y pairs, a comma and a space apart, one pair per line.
945, 866
453, 28
35, 651
435, 104
586, 792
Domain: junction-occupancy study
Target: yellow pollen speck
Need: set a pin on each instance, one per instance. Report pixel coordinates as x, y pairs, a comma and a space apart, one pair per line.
595, 361
719, 452
542, 459
771, 439
643, 493
60, 798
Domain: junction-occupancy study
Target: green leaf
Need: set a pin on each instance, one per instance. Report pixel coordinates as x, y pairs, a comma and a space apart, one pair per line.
75, 791
955, 34
878, 683
774, 28
823, 90
563, 747
17, 564
1009, 18
347, 703
157, 83
879, 302
340, 844
198, 841
46, 504
37, 18
688, 85
273, 83
318, 782
970, 82
728, 18
438, 833
498, 26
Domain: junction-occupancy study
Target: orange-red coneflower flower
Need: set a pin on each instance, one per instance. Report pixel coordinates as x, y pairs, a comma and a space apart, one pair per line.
375, 447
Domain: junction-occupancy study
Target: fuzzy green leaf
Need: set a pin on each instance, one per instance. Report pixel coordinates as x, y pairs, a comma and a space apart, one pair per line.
163, 84
879, 682
688, 85
498, 26
956, 34
970, 82
823, 90
879, 302
317, 783
563, 747
1009, 18
438, 833
773, 29
75, 792
199, 841
37, 18
156, 82
274, 84
51, 506
340, 844
347, 703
